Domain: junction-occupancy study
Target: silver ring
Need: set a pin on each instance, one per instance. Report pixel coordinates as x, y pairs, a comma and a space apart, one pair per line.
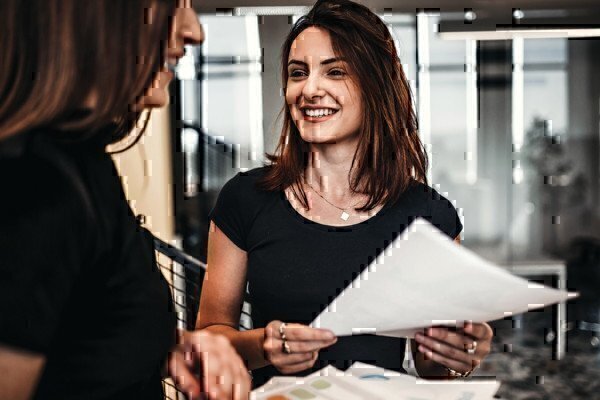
472, 348
285, 347
282, 331
455, 374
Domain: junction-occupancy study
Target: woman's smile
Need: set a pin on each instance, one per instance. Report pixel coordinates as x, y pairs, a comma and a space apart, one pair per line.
318, 114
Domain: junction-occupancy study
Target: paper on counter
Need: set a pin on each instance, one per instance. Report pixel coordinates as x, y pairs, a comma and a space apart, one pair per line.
388, 384
326, 384
422, 279
356, 384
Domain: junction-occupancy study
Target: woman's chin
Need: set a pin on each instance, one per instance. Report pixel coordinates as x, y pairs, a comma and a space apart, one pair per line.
158, 95
156, 98
316, 137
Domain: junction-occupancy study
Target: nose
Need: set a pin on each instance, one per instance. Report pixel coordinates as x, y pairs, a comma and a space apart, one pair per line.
312, 87
187, 28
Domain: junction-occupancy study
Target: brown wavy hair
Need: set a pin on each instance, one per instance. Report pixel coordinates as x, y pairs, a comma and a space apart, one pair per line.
390, 155
55, 54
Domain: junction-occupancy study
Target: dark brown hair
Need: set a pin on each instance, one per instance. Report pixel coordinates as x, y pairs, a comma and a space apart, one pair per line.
390, 154
55, 54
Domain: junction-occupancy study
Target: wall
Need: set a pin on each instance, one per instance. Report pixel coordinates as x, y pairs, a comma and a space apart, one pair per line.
146, 174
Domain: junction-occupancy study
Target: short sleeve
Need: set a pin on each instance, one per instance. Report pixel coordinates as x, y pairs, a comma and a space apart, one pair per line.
41, 242
444, 215
232, 212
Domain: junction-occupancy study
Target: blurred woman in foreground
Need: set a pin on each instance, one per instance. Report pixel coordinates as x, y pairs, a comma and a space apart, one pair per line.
84, 311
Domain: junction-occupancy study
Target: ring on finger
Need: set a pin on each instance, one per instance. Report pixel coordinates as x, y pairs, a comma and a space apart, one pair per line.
285, 347
282, 331
472, 348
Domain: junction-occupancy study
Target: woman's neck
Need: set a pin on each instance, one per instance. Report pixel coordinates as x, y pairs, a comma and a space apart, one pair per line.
328, 169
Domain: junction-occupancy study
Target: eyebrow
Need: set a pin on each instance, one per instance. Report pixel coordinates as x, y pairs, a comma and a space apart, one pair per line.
324, 62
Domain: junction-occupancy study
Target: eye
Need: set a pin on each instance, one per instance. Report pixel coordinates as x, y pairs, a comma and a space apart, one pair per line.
297, 73
337, 72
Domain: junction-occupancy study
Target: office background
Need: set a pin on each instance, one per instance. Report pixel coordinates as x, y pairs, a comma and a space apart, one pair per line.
511, 122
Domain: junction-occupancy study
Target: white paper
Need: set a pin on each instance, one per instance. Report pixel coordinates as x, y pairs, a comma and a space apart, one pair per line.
363, 381
388, 384
423, 279
326, 384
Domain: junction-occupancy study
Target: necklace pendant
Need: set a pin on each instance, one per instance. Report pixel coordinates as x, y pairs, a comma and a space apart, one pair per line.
345, 216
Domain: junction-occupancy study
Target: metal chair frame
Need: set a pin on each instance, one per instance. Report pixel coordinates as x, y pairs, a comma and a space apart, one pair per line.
179, 270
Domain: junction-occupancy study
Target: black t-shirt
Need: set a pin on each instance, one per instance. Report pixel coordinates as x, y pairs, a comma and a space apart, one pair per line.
296, 267
78, 279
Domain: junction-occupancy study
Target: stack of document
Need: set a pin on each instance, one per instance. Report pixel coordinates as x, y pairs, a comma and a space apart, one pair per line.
366, 382
424, 279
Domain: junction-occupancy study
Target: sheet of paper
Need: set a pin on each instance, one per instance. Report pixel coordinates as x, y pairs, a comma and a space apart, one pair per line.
422, 279
363, 381
326, 384
388, 384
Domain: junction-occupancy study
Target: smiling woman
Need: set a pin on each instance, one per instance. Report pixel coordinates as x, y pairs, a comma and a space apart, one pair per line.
348, 177
328, 62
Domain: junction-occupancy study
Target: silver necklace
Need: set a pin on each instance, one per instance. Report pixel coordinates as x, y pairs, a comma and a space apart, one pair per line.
345, 215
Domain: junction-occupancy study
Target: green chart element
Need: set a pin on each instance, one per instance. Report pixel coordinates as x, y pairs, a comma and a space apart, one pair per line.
321, 384
302, 394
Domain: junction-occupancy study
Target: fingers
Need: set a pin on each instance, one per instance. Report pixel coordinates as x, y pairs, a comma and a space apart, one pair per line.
300, 332
453, 338
297, 338
301, 347
479, 331
274, 347
222, 372
294, 347
445, 360
288, 363
301, 366
445, 350
460, 350
185, 381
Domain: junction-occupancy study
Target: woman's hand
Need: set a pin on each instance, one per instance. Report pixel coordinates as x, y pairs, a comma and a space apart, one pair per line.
293, 348
461, 350
205, 364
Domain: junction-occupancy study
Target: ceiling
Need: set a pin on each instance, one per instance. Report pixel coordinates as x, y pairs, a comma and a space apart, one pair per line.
209, 6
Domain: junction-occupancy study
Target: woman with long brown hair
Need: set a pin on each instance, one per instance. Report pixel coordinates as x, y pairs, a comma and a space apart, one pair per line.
84, 311
349, 176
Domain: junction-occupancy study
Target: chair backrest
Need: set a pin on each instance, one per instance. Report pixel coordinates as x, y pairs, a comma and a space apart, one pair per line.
185, 275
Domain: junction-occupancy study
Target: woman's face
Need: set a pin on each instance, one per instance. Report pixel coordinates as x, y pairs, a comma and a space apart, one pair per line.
324, 102
186, 30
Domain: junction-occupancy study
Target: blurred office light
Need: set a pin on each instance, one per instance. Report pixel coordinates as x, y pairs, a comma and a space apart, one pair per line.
514, 33
424, 84
231, 85
447, 98
518, 133
524, 24
472, 110
266, 11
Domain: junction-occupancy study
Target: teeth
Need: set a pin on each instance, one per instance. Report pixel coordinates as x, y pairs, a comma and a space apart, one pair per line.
322, 112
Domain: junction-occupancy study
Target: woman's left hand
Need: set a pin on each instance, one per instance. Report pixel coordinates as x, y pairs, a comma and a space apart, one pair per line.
461, 350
